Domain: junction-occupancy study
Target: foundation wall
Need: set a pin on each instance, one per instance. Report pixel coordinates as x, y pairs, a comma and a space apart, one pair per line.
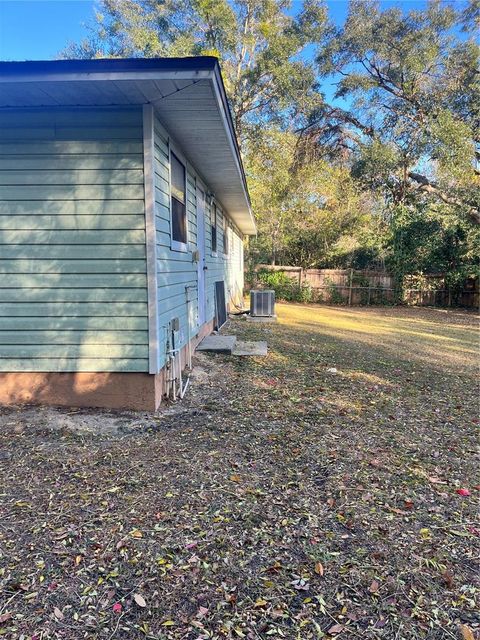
108, 390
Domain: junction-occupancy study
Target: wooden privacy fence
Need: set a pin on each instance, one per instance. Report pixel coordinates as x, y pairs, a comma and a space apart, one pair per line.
357, 287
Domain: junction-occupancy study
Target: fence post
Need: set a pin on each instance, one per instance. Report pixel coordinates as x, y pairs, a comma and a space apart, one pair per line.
350, 289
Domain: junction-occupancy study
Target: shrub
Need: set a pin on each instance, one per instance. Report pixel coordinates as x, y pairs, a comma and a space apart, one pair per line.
285, 287
334, 295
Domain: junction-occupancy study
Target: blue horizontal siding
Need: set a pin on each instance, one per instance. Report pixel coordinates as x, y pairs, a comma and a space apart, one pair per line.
73, 294
176, 270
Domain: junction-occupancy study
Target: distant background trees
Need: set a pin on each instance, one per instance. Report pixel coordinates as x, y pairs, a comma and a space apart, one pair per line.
384, 172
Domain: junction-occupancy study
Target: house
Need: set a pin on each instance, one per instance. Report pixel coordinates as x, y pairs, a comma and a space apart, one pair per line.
123, 209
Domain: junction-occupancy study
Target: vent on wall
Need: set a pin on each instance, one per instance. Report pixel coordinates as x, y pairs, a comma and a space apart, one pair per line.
262, 303
220, 306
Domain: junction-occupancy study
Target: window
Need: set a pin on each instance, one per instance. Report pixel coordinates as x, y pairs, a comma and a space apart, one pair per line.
225, 235
179, 202
214, 227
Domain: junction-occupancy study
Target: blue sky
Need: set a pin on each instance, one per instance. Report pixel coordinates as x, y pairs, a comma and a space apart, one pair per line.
39, 29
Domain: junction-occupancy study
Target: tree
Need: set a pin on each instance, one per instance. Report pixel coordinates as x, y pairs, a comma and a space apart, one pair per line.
430, 239
258, 42
269, 165
311, 214
412, 130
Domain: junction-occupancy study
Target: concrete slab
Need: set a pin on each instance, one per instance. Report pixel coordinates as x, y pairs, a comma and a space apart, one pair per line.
250, 349
218, 344
261, 319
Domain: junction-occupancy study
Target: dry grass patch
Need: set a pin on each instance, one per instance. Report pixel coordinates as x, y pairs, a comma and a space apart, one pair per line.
280, 500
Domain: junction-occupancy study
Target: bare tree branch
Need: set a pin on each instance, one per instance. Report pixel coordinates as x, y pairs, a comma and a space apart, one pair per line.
430, 187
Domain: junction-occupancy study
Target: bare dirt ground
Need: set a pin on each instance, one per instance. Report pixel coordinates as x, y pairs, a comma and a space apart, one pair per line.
327, 490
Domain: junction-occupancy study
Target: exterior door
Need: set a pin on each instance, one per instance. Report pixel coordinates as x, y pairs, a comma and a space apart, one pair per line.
201, 264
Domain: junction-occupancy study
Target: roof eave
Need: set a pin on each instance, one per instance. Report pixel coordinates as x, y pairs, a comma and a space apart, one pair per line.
195, 68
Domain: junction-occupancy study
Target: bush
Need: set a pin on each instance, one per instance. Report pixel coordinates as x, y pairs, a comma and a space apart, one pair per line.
334, 295
361, 281
285, 288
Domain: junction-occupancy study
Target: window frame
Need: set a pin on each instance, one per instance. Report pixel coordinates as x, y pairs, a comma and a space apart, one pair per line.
176, 245
226, 240
214, 208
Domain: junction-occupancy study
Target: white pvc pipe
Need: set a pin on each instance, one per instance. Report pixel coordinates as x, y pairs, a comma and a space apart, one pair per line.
185, 387
175, 372
189, 347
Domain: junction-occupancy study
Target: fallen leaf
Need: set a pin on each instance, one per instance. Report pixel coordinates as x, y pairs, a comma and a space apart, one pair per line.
191, 545
467, 633
140, 600
337, 628
5, 617
380, 623
448, 578
136, 533
374, 587
23, 503
300, 584
58, 614
319, 568
168, 623
231, 598
235, 477
260, 602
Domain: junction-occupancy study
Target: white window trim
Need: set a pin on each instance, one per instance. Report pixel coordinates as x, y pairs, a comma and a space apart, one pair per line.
175, 245
214, 254
226, 227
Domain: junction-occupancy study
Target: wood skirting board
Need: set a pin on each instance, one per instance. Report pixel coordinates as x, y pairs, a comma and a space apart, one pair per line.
135, 391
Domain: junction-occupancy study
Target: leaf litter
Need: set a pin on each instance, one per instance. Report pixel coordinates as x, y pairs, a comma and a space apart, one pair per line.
276, 501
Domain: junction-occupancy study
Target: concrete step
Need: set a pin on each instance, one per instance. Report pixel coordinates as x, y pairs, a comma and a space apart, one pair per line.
218, 344
250, 348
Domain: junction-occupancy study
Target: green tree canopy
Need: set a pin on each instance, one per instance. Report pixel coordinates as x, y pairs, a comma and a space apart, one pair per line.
258, 42
412, 128
308, 214
392, 177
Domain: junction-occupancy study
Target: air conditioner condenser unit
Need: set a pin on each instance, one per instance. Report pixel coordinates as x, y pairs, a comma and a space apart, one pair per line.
262, 303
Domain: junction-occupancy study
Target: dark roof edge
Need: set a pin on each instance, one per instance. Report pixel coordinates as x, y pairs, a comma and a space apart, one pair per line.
194, 63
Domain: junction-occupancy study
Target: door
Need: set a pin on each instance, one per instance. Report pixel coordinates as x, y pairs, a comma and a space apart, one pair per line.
201, 264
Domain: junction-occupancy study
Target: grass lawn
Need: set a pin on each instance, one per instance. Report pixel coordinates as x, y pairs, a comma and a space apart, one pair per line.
309, 494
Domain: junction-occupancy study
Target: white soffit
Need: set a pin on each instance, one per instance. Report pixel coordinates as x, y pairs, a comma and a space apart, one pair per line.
189, 99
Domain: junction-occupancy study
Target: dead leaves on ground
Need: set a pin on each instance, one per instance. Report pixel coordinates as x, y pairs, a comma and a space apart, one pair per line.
283, 502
